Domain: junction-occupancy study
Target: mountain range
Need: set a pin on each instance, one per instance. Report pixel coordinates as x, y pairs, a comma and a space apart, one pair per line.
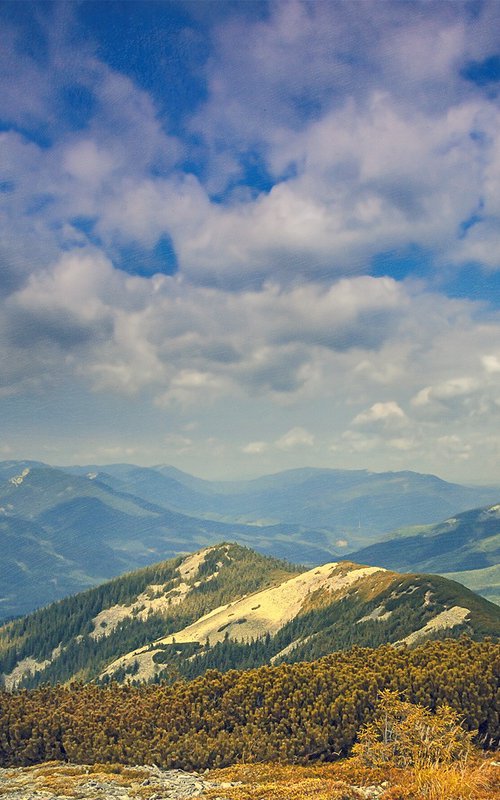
356, 505
227, 606
65, 529
465, 546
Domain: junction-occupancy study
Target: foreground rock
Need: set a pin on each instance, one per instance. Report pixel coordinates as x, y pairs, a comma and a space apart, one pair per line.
57, 781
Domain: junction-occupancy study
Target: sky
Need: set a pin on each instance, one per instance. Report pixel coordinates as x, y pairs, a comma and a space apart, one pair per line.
241, 237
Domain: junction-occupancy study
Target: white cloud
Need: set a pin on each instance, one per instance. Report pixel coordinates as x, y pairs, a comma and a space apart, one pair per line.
272, 314
356, 442
368, 173
403, 443
454, 447
388, 413
481, 245
86, 162
255, 448
295, 437
446, 390
491, 363
365, 180
178, 443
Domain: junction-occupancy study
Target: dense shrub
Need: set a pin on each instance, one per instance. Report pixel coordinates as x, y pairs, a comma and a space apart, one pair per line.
291, 713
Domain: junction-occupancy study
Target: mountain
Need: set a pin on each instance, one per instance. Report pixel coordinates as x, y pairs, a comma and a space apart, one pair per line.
227, 606
65, 529
353, 505
63, 532
464, 542
485, 582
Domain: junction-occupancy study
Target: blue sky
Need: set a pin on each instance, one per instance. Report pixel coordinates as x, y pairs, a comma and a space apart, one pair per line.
240, 237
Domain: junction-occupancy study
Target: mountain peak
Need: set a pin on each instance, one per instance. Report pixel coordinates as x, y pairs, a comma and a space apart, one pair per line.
227, 606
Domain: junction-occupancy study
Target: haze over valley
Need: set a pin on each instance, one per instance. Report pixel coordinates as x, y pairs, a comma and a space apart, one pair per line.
66, 529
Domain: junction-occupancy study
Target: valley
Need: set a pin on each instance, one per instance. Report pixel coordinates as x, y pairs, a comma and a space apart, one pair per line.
465, 547
70, 528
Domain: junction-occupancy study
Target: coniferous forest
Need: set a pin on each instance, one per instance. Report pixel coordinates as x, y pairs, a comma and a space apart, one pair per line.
295, 713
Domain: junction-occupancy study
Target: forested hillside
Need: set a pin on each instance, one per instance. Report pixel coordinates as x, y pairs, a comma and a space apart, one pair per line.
229, 607
69, 528
292, 712
78, 636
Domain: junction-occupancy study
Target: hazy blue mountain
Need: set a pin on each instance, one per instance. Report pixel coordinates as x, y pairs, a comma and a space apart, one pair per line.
90, 523
355, 505
63, 532
227, 606
467, 541
8, 469
33, 573
147, 483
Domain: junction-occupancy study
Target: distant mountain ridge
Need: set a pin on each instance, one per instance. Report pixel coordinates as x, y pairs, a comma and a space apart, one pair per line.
469, 540
485, 582
356, 504
63, 532
227, 606
64, 529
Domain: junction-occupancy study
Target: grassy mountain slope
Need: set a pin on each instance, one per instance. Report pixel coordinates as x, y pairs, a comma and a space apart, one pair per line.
80, 634
63, 532
466, 541
227, 606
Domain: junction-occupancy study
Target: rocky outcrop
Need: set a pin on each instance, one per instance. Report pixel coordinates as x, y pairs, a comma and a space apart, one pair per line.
54, 781
58, 781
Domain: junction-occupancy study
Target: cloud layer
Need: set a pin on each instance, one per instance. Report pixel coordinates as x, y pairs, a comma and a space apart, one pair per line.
264, 273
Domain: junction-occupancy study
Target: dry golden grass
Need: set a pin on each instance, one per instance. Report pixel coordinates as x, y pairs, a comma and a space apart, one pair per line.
127, 773
479, 780
309, 789
58, 785
285, 782
476, 782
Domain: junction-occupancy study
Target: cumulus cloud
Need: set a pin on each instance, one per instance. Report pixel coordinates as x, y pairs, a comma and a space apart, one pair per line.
446, 390
195, 343
388, 413
491, 363
363, 182
453, 446
178, 443
367, 172
255, 448
295, 437
275, 222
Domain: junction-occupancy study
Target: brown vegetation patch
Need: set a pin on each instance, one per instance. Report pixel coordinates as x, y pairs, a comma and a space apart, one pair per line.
349, 779
282, 782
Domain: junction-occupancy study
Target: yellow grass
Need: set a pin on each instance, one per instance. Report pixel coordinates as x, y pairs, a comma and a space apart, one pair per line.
285, 782
340, 781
